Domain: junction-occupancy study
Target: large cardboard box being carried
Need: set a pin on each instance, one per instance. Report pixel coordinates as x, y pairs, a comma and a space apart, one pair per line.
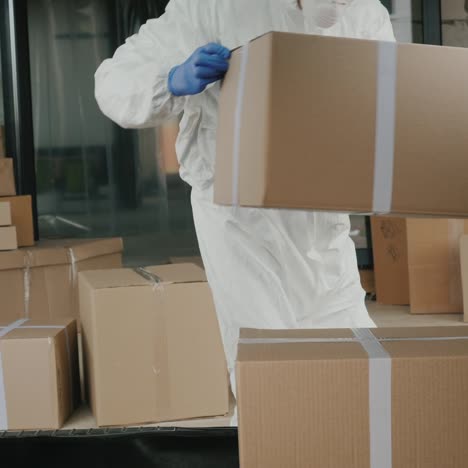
39, 377
417, 262
334, 124
41, 282
152, 346
390, 398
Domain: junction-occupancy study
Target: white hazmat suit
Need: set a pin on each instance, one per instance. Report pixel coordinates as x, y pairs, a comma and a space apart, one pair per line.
266, 268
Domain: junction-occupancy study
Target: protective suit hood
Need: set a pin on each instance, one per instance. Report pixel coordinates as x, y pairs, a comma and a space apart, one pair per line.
324, 14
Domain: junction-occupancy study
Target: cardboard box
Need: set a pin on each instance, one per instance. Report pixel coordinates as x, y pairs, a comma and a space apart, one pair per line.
390, 249
50, 272
417, 262
464, 273
5, 213
434, 265
39, 384
306, 122
367, 281
8, 240
12, 280
22, 218
152, 346
2, 142
309, 404
7, 178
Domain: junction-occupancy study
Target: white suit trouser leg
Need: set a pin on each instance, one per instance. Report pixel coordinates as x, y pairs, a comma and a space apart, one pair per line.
277, 269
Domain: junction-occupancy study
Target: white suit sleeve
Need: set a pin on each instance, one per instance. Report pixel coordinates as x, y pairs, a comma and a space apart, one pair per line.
382, 29
131, 88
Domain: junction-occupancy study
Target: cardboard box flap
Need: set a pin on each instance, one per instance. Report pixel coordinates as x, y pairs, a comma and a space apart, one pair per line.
60, 252
420, 332
123, 278
179, 273
45, 254
83, 250
109, 279
297, 345
279, 345
12, 260
34, 329
425, 342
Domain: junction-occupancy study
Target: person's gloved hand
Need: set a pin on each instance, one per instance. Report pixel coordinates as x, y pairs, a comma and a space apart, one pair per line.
205, 66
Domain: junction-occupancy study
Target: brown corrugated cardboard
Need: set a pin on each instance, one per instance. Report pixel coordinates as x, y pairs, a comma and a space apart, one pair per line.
40, 374
22, 218
7, 178
464, 273
306, 404
8, 239
389, 244
152, 347
50, 271
5, 213
434, 265
305, 133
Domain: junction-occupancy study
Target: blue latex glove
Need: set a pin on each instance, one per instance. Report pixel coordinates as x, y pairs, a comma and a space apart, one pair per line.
206, 65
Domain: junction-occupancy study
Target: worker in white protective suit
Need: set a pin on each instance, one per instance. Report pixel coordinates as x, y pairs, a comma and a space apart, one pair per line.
267, 268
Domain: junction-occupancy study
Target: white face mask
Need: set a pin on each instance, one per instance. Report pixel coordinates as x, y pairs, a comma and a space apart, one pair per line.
324, 13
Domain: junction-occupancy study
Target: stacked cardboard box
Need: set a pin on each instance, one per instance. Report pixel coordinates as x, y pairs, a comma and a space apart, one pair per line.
7, 178
464, 273
417, 262
20, 206
152, 346
8, 239
39, 376
41, 282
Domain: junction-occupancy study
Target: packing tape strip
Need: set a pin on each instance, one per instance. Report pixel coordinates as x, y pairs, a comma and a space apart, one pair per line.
380, 399
236, 157
27, 284
20, 324
161, 357
73, 271
385, 127
155, 280
3, 404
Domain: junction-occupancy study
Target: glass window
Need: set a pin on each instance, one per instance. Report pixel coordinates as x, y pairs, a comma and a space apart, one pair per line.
455, 23
94, 178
